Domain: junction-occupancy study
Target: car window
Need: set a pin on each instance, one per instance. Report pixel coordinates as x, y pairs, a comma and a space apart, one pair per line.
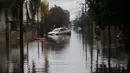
62, 29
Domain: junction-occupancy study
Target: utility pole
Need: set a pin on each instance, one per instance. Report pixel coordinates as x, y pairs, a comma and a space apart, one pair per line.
21, 37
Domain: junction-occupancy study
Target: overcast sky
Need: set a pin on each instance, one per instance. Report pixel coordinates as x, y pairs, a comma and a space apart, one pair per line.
73, 6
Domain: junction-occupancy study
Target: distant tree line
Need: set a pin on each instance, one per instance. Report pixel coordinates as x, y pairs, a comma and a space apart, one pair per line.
82, 21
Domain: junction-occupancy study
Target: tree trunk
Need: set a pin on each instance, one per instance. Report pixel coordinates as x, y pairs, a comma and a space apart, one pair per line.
109, 48
128, 65
21, 38
97, 55
26, 31
127, 46
41, 27
7, 37
127, 43
45, 28
7, 30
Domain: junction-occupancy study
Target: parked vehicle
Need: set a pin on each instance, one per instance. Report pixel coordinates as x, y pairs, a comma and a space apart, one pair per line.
60, 31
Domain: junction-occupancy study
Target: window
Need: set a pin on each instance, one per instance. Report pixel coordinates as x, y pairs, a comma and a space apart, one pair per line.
62, 29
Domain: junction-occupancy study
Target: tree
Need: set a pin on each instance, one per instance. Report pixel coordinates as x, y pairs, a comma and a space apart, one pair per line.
106, 13
44, 8
44, 13
57, 17
34, 6
84, 20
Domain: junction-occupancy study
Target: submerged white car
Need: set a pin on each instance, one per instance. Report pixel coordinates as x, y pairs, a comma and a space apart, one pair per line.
60, 31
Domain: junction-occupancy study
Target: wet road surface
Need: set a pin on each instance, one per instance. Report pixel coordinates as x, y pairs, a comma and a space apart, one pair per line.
60, 54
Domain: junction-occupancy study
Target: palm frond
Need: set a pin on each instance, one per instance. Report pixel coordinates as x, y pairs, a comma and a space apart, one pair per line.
44, 8
34, 6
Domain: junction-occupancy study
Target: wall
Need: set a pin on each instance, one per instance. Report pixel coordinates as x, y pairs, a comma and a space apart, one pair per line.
2, 21
2, 32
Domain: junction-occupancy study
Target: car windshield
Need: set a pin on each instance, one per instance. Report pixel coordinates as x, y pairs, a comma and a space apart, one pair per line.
55, 30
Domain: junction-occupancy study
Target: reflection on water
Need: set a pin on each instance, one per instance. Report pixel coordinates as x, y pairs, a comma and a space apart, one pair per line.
58, 54
57, 43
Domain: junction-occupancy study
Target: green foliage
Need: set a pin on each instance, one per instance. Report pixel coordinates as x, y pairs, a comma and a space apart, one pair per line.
109, 12
7, 4
13, 9
34, 6
83, 21
57, 17
44, 9
10, 7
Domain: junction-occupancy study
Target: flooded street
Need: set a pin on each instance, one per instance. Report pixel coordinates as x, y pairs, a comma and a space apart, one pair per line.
59, 54
64, 36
